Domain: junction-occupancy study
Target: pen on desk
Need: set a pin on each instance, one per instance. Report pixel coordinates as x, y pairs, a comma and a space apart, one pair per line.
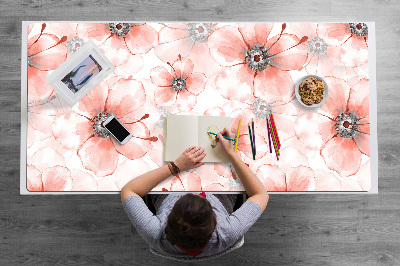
254, 138
251, 142
222, 136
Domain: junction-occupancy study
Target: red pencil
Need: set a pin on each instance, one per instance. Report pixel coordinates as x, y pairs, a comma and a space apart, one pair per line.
269, 136
276, 130
275, 144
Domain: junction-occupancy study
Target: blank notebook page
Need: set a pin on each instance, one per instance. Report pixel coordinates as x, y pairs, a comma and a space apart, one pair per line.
181, 133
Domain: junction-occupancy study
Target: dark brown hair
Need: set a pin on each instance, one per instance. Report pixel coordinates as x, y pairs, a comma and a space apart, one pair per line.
191, 222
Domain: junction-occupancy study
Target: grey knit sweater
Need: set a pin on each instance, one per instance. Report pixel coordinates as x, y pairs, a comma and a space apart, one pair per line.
229, 227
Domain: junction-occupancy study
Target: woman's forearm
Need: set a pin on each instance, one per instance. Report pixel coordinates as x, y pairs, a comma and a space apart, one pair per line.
146, 182
190, 158
250, 181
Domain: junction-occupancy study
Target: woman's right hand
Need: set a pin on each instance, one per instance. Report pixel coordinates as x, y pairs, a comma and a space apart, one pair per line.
227, 144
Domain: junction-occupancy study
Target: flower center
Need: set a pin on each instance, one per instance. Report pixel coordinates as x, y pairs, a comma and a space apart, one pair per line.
360, 29
74, 44
199, 32
317, 46
261, 108
98, 126
178, 84
258, 58
120, 29
347, 125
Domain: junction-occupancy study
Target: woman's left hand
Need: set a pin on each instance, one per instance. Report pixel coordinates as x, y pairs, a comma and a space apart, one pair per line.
190, 158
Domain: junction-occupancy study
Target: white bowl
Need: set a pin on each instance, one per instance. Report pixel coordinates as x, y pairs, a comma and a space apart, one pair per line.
314, 105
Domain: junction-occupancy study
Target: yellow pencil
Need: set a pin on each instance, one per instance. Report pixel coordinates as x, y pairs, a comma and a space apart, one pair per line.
237, 136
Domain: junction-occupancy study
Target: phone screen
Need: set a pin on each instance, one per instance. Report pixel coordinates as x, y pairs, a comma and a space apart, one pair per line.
117, 129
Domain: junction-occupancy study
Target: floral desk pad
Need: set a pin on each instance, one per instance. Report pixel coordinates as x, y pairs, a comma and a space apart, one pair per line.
241, 70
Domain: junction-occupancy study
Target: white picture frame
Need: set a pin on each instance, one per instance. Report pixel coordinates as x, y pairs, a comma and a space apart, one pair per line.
80, 73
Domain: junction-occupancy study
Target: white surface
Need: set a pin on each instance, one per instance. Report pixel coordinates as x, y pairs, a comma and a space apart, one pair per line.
24, 108
372, 111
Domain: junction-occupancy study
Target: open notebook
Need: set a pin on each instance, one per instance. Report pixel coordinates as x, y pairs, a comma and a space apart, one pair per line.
183, 131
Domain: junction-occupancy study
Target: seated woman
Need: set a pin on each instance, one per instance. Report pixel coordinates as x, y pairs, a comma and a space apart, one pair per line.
187, 224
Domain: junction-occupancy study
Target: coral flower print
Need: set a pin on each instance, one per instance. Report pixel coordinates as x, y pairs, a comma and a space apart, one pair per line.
179, 86
354, 34
190, 40
82, 181
212, 178
55, 178
124, 172
245, 71
326, 181
322, 57
189, 181
295, 179
41, 115
49, 169
76, 34
39, 89
255, 63
46, 171
203, 178
46, 157
45, 52
120, 41
353, 39
341, 127
138, 38
96, 149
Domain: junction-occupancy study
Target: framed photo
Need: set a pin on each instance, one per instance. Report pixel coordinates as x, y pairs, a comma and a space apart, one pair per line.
80, 73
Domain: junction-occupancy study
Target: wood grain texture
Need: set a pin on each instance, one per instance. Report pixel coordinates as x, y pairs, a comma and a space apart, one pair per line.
295, 229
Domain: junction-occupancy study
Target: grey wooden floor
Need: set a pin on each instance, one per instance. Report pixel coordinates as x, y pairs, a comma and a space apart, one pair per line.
295, 229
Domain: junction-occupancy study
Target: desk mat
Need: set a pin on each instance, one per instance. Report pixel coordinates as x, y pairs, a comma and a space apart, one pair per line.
241, 70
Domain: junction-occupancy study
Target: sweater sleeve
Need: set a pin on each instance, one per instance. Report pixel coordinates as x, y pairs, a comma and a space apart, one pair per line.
239, 222
146, 223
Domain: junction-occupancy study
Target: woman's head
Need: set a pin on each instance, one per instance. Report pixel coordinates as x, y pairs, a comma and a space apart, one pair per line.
191, 222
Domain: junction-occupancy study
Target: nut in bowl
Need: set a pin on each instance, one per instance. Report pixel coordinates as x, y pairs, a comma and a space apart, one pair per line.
311, 91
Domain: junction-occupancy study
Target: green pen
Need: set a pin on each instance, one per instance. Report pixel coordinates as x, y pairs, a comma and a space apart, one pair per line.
251, 141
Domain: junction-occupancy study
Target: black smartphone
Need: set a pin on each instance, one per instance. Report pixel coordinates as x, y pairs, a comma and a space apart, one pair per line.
117, 130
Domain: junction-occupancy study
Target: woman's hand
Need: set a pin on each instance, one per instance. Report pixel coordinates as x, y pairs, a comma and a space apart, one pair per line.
227, 144
190, 158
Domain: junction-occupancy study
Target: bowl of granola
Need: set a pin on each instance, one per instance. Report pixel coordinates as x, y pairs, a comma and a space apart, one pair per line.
311, 91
